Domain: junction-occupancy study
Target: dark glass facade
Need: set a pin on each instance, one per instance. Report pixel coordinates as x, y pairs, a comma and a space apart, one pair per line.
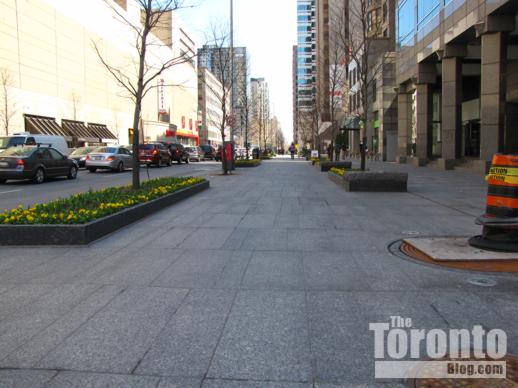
306, 54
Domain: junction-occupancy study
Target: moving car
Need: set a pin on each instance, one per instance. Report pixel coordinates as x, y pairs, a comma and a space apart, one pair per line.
25, 138
195, 153
178, 152
208, 152
79, 155
35, 163
154, 154
115, 158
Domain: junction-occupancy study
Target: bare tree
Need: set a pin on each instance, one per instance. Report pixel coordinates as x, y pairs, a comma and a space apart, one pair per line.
139, 80
222, 56
366, 45
8, 108
338, 55
76, 101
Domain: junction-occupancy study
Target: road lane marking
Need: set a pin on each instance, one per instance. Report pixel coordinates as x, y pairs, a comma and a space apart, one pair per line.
11, 191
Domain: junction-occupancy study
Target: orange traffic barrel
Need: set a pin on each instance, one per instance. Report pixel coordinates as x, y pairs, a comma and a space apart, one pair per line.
502, 196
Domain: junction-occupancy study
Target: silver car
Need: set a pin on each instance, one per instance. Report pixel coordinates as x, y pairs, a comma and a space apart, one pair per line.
195, 153
115, 158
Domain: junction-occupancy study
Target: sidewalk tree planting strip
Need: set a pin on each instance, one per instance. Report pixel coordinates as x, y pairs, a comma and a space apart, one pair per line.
376, 181
248, 163
85, 217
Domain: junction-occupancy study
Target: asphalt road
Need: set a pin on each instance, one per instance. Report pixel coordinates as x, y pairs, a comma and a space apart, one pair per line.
14, 193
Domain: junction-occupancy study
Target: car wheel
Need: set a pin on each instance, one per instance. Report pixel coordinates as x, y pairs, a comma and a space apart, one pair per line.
92, 169
120, 167
187, 160
3, 181
179, 161
72, 173
159, 163
169, 162
39, 176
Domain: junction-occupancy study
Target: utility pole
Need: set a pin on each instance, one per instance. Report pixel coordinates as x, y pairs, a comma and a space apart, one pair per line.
232, 68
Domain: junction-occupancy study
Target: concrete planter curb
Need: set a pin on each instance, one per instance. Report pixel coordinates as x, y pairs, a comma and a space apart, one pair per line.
376, 181
326, 166
86, 233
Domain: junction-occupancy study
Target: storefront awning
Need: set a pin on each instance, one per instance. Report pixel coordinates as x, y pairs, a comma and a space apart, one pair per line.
79, 130
186, 134
101, 131
42, 125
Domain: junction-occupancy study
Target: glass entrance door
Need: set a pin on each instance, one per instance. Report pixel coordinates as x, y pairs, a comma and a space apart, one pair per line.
471, 141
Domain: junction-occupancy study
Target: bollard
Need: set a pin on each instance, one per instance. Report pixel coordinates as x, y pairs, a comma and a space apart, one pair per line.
500, 223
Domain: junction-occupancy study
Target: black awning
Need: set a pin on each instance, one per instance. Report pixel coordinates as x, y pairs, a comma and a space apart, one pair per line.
79, 130
42, 125
101, 131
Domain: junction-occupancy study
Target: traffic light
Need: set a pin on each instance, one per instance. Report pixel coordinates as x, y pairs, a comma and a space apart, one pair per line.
131, 132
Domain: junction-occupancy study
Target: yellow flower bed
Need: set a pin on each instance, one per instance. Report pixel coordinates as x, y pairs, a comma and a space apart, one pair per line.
338, 171
85, 207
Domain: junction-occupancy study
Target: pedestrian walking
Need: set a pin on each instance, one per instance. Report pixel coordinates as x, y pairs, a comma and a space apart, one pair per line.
292, 151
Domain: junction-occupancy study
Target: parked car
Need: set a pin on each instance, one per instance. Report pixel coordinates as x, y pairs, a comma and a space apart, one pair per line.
115, 158
154, 154
178, 152
25, 138
195, 153
35, 163
79, 155
209, 152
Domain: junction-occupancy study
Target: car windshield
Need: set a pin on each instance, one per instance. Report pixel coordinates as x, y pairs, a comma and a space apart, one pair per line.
81, 151
146, 147
19, 152
106, 150
9, 141
190, 149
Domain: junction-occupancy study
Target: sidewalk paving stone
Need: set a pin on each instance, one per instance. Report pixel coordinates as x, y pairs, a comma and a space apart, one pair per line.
271, 283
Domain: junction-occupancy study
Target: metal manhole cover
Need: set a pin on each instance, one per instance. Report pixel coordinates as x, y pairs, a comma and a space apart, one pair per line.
511, 380
482, 282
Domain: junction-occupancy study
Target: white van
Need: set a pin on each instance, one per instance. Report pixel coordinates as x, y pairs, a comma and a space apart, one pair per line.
25, 138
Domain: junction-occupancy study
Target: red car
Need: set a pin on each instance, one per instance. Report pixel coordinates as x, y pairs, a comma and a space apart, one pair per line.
154, 154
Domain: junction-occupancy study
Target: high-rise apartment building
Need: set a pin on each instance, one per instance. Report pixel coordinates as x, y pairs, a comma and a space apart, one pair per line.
294, 96
214, 58
306, 70
259, 111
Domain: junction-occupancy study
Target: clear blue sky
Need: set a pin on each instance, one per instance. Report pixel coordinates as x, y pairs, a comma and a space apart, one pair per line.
268, 28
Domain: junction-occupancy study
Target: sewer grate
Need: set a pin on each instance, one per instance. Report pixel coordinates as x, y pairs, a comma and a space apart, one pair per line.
510, 381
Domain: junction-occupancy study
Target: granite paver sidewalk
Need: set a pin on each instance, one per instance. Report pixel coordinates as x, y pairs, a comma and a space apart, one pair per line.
268, 279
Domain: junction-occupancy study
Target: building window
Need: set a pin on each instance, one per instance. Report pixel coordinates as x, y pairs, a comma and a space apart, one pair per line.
405, 21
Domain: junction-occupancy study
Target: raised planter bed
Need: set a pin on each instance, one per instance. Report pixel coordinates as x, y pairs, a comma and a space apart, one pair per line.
376, 181
83, 234
326, 166
248, 163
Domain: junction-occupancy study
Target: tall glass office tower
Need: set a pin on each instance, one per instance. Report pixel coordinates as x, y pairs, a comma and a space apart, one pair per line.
306, 54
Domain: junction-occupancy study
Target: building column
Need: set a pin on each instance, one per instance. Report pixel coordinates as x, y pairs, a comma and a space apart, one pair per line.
492, 94
404, 122
451, 111
424, 123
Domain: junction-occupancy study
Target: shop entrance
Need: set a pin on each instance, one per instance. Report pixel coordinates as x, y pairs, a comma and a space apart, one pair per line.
471, 138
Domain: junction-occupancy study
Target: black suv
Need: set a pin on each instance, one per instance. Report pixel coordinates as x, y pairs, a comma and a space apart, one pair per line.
178, 152
209, 152
35, 163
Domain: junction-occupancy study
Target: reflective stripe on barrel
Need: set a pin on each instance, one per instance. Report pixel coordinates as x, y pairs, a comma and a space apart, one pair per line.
502, 198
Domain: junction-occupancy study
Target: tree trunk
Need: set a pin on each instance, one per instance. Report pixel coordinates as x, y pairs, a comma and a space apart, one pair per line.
136, 160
